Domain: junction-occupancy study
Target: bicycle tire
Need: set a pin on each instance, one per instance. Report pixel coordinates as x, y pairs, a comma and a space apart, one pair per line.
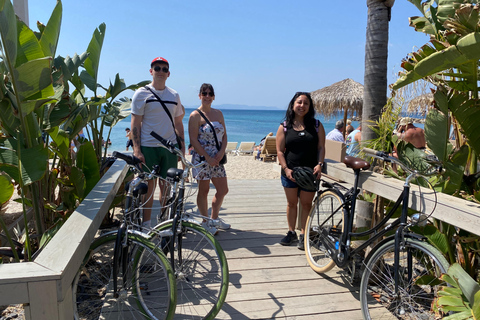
202, 277
150, 291
416, 296
317, 256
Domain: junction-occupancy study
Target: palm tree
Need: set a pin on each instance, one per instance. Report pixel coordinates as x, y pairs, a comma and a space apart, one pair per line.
376, 54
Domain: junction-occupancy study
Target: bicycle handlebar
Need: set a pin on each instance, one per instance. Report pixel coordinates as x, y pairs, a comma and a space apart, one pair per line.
171, 147
129, 159
386, 157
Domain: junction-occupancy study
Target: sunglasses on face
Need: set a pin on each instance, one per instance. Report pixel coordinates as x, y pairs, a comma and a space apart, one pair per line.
210, 94
158, 68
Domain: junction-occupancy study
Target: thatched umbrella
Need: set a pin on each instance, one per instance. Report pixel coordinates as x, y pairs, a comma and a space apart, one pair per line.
420, 104
345, 95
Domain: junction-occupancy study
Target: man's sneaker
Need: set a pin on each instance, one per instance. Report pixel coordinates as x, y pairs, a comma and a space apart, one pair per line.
220, 224
289, 238
301, 244
209, 227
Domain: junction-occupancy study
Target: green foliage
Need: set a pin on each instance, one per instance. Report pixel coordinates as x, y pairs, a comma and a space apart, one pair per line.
43, 107
384, 128
462, 297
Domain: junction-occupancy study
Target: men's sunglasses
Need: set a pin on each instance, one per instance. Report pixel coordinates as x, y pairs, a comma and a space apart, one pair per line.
157, 68
211, 94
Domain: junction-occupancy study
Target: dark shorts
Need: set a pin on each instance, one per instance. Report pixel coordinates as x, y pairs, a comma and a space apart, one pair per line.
287, 183
159, 156
129, 143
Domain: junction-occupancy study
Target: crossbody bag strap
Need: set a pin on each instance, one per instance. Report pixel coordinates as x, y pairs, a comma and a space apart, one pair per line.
213, 129
164, 106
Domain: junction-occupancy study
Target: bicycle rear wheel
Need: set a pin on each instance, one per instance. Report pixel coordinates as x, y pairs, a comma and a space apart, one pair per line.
147, 291
326, 214
420, 265
202, 271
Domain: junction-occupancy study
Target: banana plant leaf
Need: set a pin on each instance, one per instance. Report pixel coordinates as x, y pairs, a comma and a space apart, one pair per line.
92, 62
87, 162
6, 188
436, 134
51, 33
454, 170
34, 161
8, 33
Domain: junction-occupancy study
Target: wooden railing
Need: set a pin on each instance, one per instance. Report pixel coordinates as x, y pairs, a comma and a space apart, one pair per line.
44, 285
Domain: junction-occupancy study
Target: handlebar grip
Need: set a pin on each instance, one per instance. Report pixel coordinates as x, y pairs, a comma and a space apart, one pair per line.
132, 160
372, 151
165, 142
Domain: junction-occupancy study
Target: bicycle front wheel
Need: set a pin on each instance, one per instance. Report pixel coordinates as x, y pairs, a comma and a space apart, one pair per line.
200, 268
147, 290
326, 214
420, 266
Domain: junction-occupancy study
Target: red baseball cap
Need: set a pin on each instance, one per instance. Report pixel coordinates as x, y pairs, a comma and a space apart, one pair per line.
159, 59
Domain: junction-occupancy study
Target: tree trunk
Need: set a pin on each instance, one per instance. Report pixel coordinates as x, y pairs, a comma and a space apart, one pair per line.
376, 54
375, 79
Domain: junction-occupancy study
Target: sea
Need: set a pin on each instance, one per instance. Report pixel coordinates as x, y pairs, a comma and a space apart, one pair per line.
242, 126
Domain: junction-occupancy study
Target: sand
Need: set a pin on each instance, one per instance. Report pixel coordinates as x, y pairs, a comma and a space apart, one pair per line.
246, 167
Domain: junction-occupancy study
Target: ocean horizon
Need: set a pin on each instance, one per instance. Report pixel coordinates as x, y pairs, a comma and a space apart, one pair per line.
243, 125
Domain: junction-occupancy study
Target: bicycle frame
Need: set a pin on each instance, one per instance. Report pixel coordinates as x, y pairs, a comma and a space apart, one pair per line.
342, 250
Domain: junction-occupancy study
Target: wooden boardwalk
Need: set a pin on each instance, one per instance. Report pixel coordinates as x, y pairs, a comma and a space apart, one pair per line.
268, 280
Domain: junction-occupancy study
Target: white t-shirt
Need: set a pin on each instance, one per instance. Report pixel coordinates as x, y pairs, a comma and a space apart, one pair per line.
145, 104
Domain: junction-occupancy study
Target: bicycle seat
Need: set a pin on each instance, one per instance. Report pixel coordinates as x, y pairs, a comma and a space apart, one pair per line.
356, 163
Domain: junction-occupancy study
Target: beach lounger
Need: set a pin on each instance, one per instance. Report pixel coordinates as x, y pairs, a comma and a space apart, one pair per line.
245, 148
269, 149
231, 147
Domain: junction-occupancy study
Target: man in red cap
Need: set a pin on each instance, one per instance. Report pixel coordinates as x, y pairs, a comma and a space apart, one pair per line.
156, 107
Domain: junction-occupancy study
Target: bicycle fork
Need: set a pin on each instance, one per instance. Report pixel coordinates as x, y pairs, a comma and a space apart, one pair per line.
120, 258
400, 241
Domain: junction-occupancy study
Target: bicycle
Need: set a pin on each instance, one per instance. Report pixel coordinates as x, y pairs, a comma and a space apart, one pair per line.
399, 277
124, 275
196, 257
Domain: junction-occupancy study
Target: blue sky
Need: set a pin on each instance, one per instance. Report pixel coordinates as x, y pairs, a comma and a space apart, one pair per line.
254, 52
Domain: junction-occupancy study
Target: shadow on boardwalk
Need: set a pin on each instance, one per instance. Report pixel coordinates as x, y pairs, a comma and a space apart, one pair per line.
267, 280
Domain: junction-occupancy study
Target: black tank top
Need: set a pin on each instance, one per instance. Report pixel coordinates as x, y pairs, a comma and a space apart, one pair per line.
301, 148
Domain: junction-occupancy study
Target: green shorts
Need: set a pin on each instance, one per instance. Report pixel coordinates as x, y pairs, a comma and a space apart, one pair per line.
161, 156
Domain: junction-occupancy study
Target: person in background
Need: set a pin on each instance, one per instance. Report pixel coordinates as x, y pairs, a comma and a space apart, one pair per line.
300, 142
337, 133
149, 115
349, 128
129, 137
353, 142
258, 148
205, 149
409, 133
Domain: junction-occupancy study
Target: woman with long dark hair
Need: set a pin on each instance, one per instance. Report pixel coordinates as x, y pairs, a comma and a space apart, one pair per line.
300, 143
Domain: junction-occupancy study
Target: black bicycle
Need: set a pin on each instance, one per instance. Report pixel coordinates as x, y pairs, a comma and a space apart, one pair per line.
400, 275
125, 275
196, 257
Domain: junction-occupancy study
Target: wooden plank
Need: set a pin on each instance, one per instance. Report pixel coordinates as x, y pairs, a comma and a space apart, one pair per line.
24, 272
317, 306
14, 293
43, 300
